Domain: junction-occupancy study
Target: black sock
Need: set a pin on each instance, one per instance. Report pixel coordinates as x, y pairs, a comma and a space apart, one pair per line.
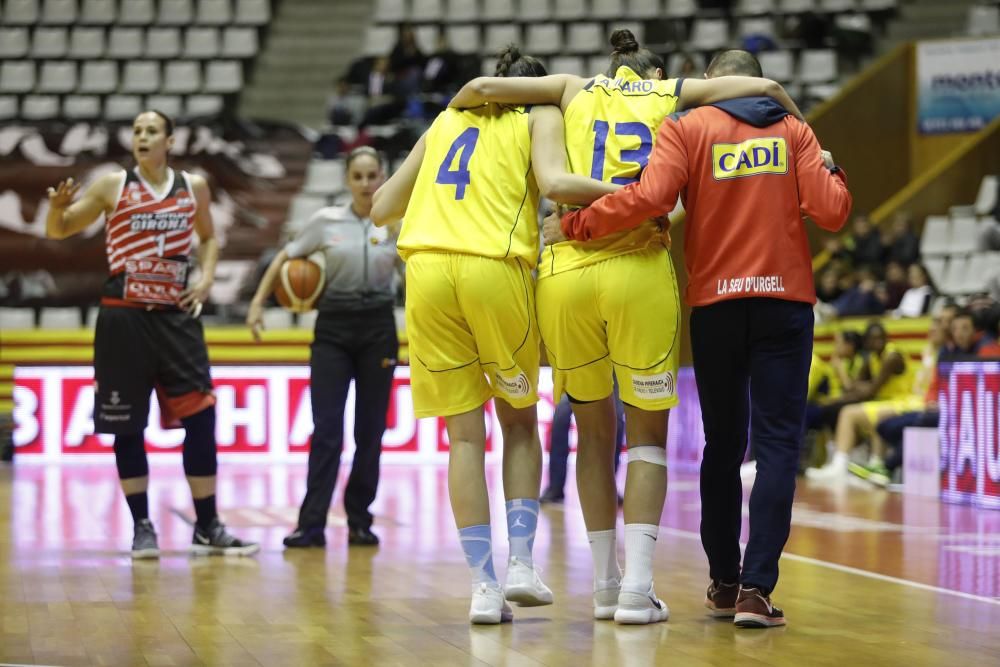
204, 509
138, 504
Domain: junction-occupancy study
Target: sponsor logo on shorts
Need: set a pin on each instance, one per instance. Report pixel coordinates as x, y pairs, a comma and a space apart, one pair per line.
656, 385
515, 387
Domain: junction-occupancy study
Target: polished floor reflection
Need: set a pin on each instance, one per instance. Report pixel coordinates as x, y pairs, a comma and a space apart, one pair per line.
872, 577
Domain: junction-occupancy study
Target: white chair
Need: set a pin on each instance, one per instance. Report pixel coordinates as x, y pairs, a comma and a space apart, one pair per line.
14, 43
610, 9
820, 92
498, 10
99, 76
163, 43
500, 35
390, 11
426, 10
955, 275
544, 38
303, 206
979, 271
935, 239
935, 268
709, 34
585, 38
834, 6
49, 43
680, 9
203, 105
136, 12
223, 76
253, 12
87, 107
172, 105
182, 76
17, 76
125, 43
755, 8
965, 234
20, 12
59, 12
534, 11
40, 107
8, 107
796, 6
597, 64
60, 318
986, 199
86, 43
379, 40
750, 27
570, 10
17, 318
878, 5
818, 66
202, 43
487, 66
141, 76
427, 37
778, 65
214, 12
854, 23
569, 65
239, 43
57, 76
464, 39
462, 11
276, 319
175, 12
643, 9
324, 177
122, 107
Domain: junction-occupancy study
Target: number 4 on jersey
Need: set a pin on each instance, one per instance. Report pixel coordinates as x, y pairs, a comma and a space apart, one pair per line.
460, 177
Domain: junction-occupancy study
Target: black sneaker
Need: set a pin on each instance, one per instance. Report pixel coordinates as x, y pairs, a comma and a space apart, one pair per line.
144, 543
363, 537
721, 599
754, 610
551, 496
215, 540
305, 537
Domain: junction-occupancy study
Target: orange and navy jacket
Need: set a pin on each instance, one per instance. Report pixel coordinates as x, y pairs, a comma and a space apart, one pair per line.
746, 172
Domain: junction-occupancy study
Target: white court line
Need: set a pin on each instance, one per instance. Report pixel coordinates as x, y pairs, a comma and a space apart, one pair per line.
851, 570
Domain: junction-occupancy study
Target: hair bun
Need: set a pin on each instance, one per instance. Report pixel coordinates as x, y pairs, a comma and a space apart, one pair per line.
624, 41
507, 56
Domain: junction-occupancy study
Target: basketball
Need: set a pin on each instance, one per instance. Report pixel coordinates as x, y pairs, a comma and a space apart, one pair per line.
300, 283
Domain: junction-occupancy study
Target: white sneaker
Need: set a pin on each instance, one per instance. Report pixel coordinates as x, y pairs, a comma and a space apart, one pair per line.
606, 599
489, 606
524, 586
640, 609
828, 473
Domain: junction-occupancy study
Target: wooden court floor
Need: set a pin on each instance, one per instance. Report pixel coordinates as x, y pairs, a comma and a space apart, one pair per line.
870, 578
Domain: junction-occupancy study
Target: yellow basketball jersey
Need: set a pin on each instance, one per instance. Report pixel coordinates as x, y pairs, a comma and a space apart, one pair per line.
897, 386
475, 192
610, 128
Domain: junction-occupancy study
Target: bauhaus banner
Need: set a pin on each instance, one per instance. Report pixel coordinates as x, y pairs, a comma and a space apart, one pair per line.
958, 85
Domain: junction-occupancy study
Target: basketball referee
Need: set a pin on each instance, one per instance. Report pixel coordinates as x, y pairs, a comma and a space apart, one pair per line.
747, 171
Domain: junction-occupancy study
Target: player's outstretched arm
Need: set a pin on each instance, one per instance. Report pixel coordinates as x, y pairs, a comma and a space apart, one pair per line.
67, 217
699, 92
208, 248
391, 199
548, 160
513, 90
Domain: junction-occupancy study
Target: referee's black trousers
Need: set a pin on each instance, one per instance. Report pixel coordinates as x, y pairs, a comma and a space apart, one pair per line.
348, 345
751, 362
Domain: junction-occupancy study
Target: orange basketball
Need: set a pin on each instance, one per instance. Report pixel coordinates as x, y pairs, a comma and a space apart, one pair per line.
300, 283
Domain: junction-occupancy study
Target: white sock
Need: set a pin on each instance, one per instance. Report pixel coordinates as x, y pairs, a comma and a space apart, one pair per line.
640, 543
839, 460
604, 548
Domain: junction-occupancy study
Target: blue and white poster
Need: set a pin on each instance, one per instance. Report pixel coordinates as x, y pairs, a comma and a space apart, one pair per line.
958, 85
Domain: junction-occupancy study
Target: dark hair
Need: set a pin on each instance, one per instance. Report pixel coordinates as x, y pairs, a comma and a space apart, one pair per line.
628, 53
966, 312
168, 122
511, 62
364, 150
734, 62
852, 338
873, 327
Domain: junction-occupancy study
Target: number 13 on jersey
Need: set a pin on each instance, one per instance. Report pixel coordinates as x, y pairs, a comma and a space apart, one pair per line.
460, 177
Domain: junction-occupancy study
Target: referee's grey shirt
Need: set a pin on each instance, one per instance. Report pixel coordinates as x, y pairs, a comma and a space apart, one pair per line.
360, 259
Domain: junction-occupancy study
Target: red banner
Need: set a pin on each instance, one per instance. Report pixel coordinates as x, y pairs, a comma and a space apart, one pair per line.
970, 441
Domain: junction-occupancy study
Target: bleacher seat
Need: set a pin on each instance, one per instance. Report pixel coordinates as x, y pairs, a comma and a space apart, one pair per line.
597, 64
14, 43
163, 43
983, 20
223, 76
586, 38
303, 206
644, 9
8, 107
81, 106
125, 43
239, 42
570, 10
182, 76
487, 66
680, 9
544, 38
40, 107
609, 9
498, 10
99, 76
97, 12
980, 268
253, 12
17, 318
935, 268
986, 199
817, 66
175, 12
569, 65
832, 6
535, 11
141, 76
20, 12
203, 105
202, 43
390, 11
756, 26
965, 234
172, 105
858, 22
214, 12
426, 10
462, 11
59, 318
276, 319
956, 275
796, 6
57, 76
464, 39
122, 107
878, 5
427, 37
17, 76
500, 35
755, 8
324, 177
709, 34
58, 12
136, 12
778, 65
379, 40
935, 239
49, 43
86, 43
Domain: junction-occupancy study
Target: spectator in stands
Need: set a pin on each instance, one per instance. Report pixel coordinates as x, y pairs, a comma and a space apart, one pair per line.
895, 286
966, 338
386, 100
828, 287
406, 61
688, 66
917, 299
861, 298
344, 106
900, 244
443, 72
864, 243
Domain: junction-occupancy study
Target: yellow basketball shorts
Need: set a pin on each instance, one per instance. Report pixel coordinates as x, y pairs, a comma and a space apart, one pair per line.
619, 315
878, 410
470, 322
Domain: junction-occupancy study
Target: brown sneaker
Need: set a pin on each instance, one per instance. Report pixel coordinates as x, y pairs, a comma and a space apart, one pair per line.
721, 599
754, 610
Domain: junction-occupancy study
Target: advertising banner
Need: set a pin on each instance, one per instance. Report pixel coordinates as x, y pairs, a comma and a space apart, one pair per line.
958, 85
969, 399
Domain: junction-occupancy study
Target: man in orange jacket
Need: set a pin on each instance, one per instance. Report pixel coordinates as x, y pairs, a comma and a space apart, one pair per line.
746, 172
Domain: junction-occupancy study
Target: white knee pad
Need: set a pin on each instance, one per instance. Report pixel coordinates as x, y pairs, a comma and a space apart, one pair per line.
648, 454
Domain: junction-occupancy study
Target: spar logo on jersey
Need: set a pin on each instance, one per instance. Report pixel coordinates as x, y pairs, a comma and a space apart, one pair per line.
753, 157
515, 387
